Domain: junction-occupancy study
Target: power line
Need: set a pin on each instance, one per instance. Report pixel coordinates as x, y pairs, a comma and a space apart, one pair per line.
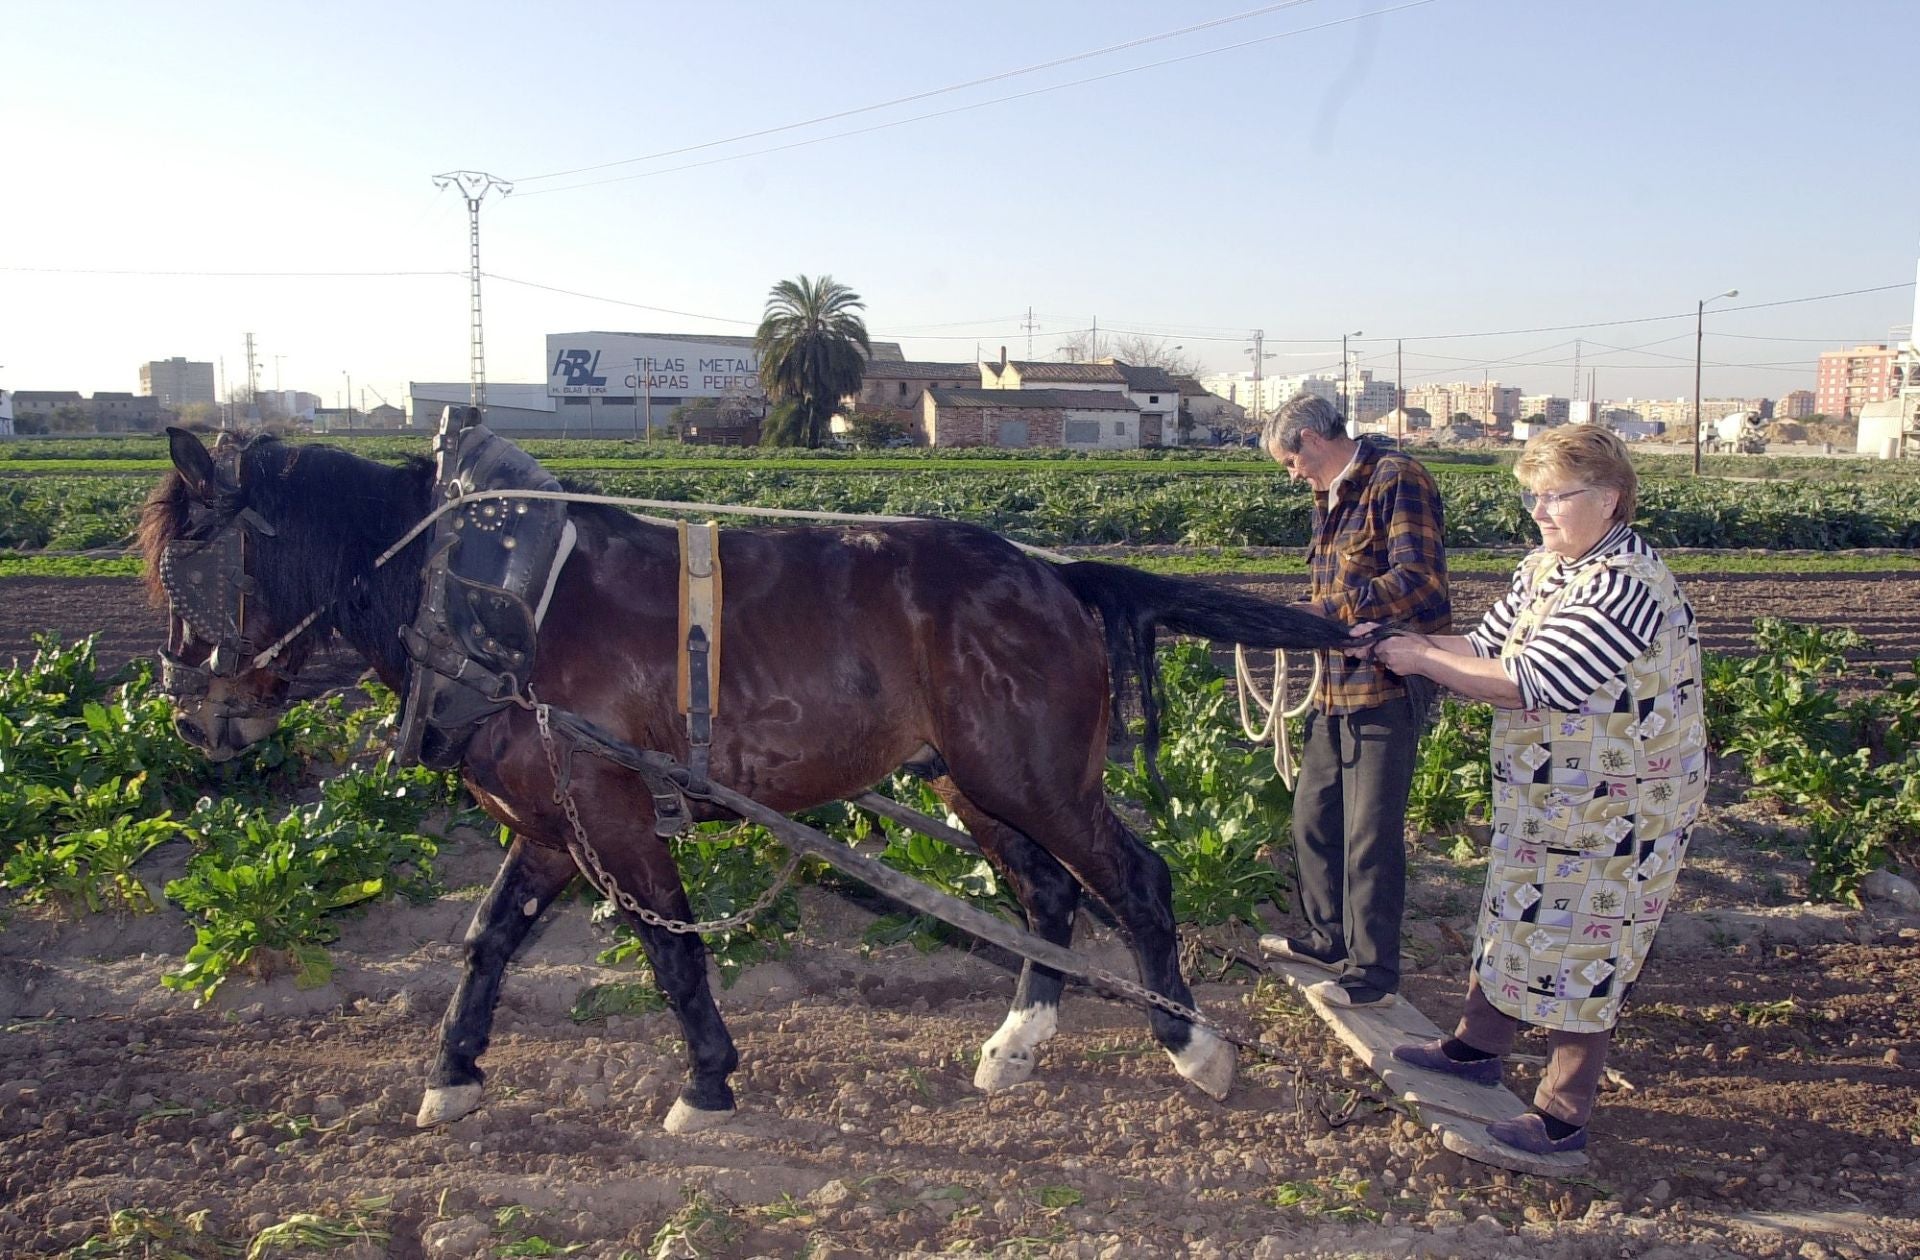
932, 92
1651, 319
268, 275
997, 100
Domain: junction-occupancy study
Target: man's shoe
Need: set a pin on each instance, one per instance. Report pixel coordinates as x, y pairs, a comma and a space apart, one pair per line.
1528, 1133
1429, 1057
1358, 997
1293, 949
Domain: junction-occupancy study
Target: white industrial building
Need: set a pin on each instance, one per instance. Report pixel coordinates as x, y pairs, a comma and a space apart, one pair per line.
613, 384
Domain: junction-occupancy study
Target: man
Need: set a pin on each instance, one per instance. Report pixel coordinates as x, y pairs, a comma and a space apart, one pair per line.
1377, 555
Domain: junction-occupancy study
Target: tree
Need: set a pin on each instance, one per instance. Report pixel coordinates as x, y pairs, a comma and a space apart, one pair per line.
1134, 349
67, 418
873, 429
813, 352
1140, 350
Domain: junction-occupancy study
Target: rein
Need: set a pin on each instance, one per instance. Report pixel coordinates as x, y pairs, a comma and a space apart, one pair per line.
265, 658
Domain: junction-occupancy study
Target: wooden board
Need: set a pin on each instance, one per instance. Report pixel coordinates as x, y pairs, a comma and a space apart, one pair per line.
1469, 1108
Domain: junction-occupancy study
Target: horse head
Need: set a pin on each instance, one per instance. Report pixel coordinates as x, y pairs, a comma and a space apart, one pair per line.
208, 547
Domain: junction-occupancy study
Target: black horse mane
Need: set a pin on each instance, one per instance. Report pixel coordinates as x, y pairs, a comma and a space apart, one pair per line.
333, 513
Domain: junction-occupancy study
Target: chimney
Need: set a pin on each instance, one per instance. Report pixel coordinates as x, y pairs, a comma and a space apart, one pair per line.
1003, 358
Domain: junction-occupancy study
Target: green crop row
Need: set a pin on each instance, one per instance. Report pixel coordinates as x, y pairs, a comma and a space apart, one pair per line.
1236, 503
93, 779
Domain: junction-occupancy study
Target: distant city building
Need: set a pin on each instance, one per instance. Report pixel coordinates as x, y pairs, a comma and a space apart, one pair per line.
1551, 408
1239, 388
1373, 398
1795, 406
287, 404
174, 383
6, 413
1490, 404
1850, 379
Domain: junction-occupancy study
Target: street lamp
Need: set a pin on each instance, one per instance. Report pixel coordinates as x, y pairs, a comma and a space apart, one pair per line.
349, 377
1346, 389
1699, 332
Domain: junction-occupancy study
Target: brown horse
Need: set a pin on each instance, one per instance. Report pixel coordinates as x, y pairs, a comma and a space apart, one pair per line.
849, 652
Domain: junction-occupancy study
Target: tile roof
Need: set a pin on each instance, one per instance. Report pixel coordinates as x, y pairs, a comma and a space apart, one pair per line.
1064, 399
1084, 373
920, 369
1151, 379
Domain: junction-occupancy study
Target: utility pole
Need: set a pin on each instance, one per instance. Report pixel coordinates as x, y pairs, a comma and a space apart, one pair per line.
253, 389
226, 404
1346, 387
1576, 369
1699, 336
1096, 340
1258, 353
474, 186
1029, 325
638, 381
1399, 392
349, 399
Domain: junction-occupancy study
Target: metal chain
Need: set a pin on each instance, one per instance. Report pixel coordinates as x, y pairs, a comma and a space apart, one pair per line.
596, 874
602, 880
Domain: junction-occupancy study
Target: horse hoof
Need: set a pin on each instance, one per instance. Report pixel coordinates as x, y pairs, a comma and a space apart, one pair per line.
1002, 1069
684, 1118
1208, 1062
446, 1102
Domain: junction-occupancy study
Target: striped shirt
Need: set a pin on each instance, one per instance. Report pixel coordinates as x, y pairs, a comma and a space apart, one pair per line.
1605, 622
1377, 555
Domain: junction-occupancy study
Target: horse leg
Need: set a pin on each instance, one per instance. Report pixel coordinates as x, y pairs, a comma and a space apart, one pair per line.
1049, 895
645, 871
528, 881
1135, 884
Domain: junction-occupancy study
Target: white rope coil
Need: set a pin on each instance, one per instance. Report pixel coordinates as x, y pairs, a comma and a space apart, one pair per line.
1277, 713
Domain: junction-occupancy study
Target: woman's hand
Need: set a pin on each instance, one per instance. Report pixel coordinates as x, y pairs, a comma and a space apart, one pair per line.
1401, 653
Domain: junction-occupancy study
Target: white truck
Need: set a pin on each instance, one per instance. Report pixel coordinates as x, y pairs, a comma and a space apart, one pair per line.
1739, 433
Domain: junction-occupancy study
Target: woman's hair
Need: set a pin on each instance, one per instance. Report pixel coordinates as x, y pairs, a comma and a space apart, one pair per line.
1584, 453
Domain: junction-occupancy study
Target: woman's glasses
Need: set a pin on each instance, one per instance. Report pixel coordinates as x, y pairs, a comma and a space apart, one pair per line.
1551, 500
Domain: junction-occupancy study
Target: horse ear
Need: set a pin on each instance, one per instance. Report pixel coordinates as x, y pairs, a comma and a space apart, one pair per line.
195, 464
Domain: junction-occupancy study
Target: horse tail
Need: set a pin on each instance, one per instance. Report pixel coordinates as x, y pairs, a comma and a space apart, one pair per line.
1135, 605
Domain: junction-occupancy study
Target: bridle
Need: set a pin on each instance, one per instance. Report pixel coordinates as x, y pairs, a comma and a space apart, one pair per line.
209, 587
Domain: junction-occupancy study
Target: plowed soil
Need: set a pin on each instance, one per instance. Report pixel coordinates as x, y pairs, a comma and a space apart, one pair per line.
1772, 1053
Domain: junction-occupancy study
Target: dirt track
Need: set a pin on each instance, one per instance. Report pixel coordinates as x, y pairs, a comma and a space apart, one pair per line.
1775, 1075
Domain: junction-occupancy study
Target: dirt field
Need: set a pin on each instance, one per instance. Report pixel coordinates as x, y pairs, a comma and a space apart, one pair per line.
1773, 1050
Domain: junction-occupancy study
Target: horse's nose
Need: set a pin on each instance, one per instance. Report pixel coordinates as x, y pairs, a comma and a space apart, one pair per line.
190, 731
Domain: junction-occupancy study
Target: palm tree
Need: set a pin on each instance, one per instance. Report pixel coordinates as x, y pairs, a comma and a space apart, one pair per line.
813, 352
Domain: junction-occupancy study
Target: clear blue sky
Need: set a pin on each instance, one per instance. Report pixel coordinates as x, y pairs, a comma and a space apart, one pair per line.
1460, 166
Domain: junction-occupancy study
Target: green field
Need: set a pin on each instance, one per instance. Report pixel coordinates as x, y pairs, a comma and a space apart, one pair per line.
84, 494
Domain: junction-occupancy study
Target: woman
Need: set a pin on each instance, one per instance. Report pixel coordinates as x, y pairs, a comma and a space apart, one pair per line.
1592, 664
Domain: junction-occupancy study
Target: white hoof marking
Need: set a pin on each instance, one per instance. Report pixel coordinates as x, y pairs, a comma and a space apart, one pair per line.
689, 1119
1008, 1058
1208, 1062
443, 1103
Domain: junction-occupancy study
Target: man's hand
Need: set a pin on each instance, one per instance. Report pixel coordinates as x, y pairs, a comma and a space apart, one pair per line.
1362, 651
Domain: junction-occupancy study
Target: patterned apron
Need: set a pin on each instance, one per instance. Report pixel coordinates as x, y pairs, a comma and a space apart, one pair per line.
1592, 811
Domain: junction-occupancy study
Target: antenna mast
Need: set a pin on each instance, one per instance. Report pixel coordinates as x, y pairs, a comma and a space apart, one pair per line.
474, 186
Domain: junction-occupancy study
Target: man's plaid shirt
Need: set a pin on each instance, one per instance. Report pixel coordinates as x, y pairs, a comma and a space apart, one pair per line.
1377, 555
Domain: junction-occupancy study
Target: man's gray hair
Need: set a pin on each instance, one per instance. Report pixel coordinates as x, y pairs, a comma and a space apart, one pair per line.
1303, 413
